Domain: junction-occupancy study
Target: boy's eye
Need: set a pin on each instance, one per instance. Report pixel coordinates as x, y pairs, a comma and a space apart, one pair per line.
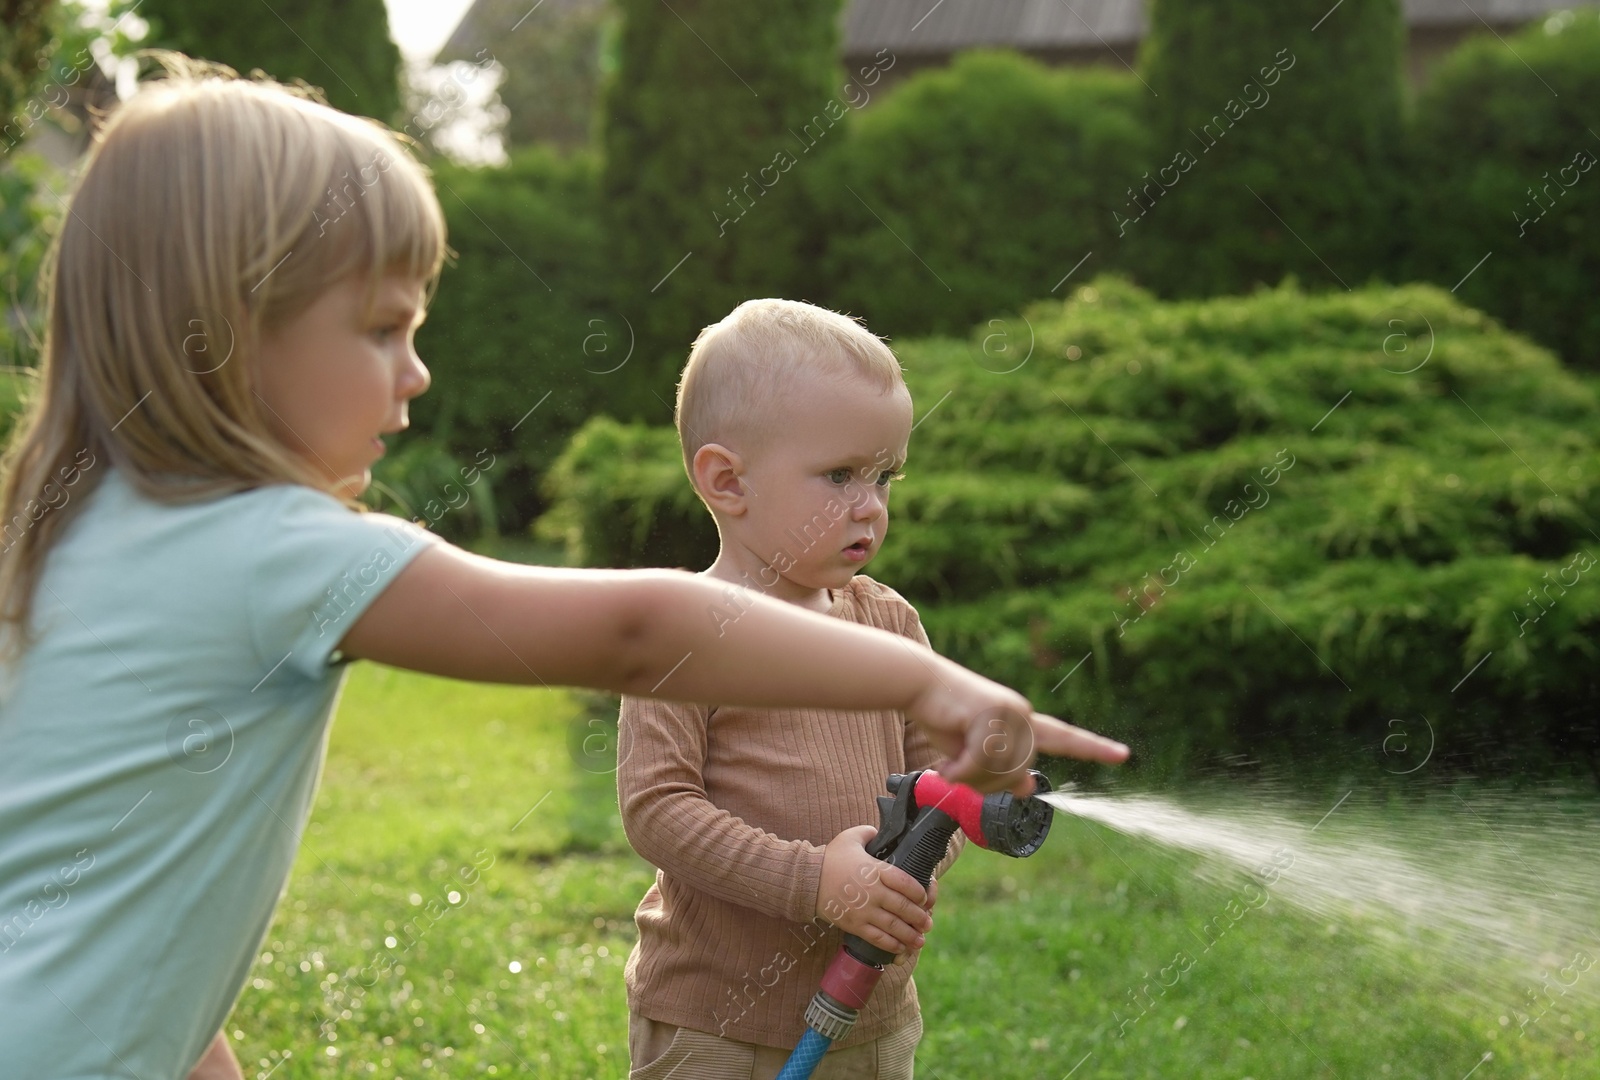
839, 476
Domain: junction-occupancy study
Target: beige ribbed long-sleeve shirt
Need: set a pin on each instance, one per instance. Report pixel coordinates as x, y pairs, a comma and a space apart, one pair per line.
734, 807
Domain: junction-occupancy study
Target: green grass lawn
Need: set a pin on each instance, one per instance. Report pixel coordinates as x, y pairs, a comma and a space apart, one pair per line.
462, 906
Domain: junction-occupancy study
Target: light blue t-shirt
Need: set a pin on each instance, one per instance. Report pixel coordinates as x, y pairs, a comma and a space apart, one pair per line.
159, 749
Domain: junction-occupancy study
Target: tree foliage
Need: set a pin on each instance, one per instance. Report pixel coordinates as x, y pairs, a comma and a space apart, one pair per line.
701, 140
519, 339
29, 213
343, 48
1276, 130
25, 32
1507, 202
995, 173
620, 498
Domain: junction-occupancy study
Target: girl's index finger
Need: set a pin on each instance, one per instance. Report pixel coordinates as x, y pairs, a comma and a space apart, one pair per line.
1061, 739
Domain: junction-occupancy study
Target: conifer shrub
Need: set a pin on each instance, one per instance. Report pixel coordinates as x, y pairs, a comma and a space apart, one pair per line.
1267, 525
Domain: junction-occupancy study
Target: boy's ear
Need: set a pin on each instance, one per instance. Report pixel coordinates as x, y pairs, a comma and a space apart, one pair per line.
716, 476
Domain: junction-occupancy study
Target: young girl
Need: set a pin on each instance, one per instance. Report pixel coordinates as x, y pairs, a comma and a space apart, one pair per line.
184, 573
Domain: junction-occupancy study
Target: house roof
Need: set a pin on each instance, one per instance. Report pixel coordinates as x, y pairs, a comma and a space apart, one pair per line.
944, 26
941, 26
919, 26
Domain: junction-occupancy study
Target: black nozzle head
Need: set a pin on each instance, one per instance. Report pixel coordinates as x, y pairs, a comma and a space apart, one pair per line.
1017, 827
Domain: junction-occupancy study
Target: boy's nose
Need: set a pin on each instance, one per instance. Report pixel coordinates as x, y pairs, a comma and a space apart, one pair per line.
873, 505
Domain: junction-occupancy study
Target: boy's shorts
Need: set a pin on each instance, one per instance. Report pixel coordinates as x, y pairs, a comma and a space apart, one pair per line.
685, 1054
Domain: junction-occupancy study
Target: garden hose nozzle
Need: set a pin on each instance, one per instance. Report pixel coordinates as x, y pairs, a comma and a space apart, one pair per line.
916, 820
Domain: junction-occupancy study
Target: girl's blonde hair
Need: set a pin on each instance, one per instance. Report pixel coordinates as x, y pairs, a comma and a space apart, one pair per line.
210, 210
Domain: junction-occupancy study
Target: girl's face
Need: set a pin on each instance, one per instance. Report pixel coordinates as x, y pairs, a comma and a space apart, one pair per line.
337, 377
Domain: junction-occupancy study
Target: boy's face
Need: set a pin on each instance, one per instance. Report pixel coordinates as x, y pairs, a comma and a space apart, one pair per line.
816, 497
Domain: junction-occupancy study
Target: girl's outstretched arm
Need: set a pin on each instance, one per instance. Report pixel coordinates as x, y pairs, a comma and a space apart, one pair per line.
675, 635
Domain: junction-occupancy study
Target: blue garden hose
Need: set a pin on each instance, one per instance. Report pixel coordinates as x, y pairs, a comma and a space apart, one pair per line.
803, 1062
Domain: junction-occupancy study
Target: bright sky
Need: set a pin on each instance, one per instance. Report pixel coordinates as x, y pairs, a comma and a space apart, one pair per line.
420, 27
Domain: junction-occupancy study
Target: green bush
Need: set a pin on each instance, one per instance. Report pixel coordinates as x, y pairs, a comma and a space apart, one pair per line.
427, 484
520, 323
1505, 147
1276, 132
997, 173
1235, 577
1265, 525
29, 214
620, 498
343, 48
16, 388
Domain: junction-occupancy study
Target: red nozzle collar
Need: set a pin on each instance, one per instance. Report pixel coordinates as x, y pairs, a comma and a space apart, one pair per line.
962, 803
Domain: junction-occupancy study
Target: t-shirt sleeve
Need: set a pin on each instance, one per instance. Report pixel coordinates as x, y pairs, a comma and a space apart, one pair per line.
316, 566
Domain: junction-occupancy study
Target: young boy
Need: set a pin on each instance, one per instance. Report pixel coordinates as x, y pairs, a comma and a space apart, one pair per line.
793, 420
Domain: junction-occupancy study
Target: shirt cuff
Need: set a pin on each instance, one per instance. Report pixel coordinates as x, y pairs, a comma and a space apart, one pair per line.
807, 883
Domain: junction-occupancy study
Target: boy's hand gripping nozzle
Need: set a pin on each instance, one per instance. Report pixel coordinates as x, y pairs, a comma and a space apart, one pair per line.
915, 824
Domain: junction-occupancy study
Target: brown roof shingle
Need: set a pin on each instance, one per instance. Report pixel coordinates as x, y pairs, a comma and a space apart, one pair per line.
945, 26
941, 26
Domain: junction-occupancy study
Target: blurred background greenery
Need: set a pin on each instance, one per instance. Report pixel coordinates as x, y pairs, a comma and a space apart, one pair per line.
1125, 287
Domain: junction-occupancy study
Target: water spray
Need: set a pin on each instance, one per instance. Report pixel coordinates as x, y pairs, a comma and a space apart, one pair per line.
915, 823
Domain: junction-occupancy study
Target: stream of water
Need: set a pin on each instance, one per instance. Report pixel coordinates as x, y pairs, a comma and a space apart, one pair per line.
1502, 893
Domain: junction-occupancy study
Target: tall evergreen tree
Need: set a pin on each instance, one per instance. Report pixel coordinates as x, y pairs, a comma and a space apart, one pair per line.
1507, 218
343, 47
714, 105
1277, 130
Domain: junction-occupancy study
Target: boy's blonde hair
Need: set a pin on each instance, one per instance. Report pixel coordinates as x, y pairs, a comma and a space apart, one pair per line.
742, 370
209, 210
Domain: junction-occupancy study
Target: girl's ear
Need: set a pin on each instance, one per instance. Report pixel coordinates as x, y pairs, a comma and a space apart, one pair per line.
717, 472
